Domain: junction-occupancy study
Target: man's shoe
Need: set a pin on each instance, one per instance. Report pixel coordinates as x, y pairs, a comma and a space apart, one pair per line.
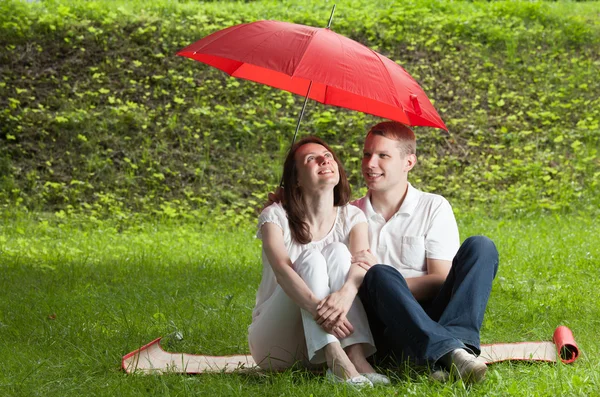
469, 367
440, 375
358, 382
377, 379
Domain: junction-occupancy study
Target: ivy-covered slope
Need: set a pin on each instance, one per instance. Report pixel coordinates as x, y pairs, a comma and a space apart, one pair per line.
97, 114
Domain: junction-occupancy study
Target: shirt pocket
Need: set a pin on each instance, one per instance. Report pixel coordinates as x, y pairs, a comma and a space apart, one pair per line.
413, 252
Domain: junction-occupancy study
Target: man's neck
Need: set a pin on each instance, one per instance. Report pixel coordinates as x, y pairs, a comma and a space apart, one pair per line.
387, 203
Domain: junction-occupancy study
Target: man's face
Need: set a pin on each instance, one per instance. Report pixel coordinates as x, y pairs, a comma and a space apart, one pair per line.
383, 167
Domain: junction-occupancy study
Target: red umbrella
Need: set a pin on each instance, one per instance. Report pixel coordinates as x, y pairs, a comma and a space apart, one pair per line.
319, 64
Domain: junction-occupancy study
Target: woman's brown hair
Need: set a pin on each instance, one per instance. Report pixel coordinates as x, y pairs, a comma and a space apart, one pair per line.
293, 202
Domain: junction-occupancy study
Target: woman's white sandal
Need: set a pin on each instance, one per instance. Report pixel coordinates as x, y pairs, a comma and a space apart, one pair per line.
358, 381
377, 379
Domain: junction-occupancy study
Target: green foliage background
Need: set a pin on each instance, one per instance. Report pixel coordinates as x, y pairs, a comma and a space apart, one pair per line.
98, 115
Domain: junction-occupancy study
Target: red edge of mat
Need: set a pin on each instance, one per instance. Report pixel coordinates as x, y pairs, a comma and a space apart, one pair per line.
147, 345
563, 339
566, 346
157, 342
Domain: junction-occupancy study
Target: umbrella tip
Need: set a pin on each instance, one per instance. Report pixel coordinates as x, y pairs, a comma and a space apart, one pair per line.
415, 102
331, 17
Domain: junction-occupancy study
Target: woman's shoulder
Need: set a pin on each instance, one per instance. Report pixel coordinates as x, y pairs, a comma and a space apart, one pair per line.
274, 214
275, 209
351, 211
349, 217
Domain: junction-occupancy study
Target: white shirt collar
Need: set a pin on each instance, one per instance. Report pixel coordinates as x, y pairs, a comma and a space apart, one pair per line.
408, 205
410, 201
368, 208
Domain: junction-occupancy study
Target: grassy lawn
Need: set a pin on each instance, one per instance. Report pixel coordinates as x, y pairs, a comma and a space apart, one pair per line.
76, 296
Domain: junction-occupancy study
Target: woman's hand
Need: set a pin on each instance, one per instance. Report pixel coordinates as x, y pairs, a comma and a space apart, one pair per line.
364, 259
341, 329
334, 308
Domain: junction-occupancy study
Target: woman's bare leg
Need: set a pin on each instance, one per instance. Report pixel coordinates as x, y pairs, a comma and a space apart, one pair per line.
339, 362
356, 354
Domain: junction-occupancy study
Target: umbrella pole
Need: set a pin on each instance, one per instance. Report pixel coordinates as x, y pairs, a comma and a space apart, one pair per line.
301, 114
309, 87
331, 17
305, 101
298, 124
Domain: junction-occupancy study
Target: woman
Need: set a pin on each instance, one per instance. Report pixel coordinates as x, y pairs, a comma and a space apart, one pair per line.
306, 307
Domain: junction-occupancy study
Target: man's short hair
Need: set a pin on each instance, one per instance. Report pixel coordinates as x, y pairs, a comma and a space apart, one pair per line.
407, 143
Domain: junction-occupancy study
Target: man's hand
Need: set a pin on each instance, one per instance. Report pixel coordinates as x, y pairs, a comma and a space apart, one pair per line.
364, 259
276, 197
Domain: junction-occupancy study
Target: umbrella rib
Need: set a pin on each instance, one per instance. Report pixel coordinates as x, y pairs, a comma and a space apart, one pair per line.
254, 47
280, 30
406, 111
258, 45
387, 76
250, 51
231, 30
312, 36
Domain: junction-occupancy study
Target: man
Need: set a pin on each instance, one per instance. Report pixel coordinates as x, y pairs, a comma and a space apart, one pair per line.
424, 296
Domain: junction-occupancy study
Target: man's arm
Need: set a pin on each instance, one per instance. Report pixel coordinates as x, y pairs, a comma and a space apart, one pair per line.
426, 287
441, 241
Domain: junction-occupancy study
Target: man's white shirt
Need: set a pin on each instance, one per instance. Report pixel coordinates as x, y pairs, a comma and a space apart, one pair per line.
424, 227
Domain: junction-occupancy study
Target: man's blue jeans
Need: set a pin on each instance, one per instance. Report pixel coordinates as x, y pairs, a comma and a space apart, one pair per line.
423, 332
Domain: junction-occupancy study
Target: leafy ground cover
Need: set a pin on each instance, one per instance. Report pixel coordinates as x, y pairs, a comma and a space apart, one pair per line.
76, 295
99, 116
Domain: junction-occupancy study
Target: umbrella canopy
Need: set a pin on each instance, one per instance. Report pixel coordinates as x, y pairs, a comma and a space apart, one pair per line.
330, 68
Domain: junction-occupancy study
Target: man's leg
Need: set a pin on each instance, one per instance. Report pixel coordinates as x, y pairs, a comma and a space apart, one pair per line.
460, 305
398, 320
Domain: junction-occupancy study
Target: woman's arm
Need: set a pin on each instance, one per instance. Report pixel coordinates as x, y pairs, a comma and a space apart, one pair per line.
291, 283
359, 238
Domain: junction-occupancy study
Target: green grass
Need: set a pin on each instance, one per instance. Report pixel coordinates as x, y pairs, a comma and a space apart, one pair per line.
75, 296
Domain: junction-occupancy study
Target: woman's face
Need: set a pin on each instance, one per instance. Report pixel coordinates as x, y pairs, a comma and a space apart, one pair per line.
316, 166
